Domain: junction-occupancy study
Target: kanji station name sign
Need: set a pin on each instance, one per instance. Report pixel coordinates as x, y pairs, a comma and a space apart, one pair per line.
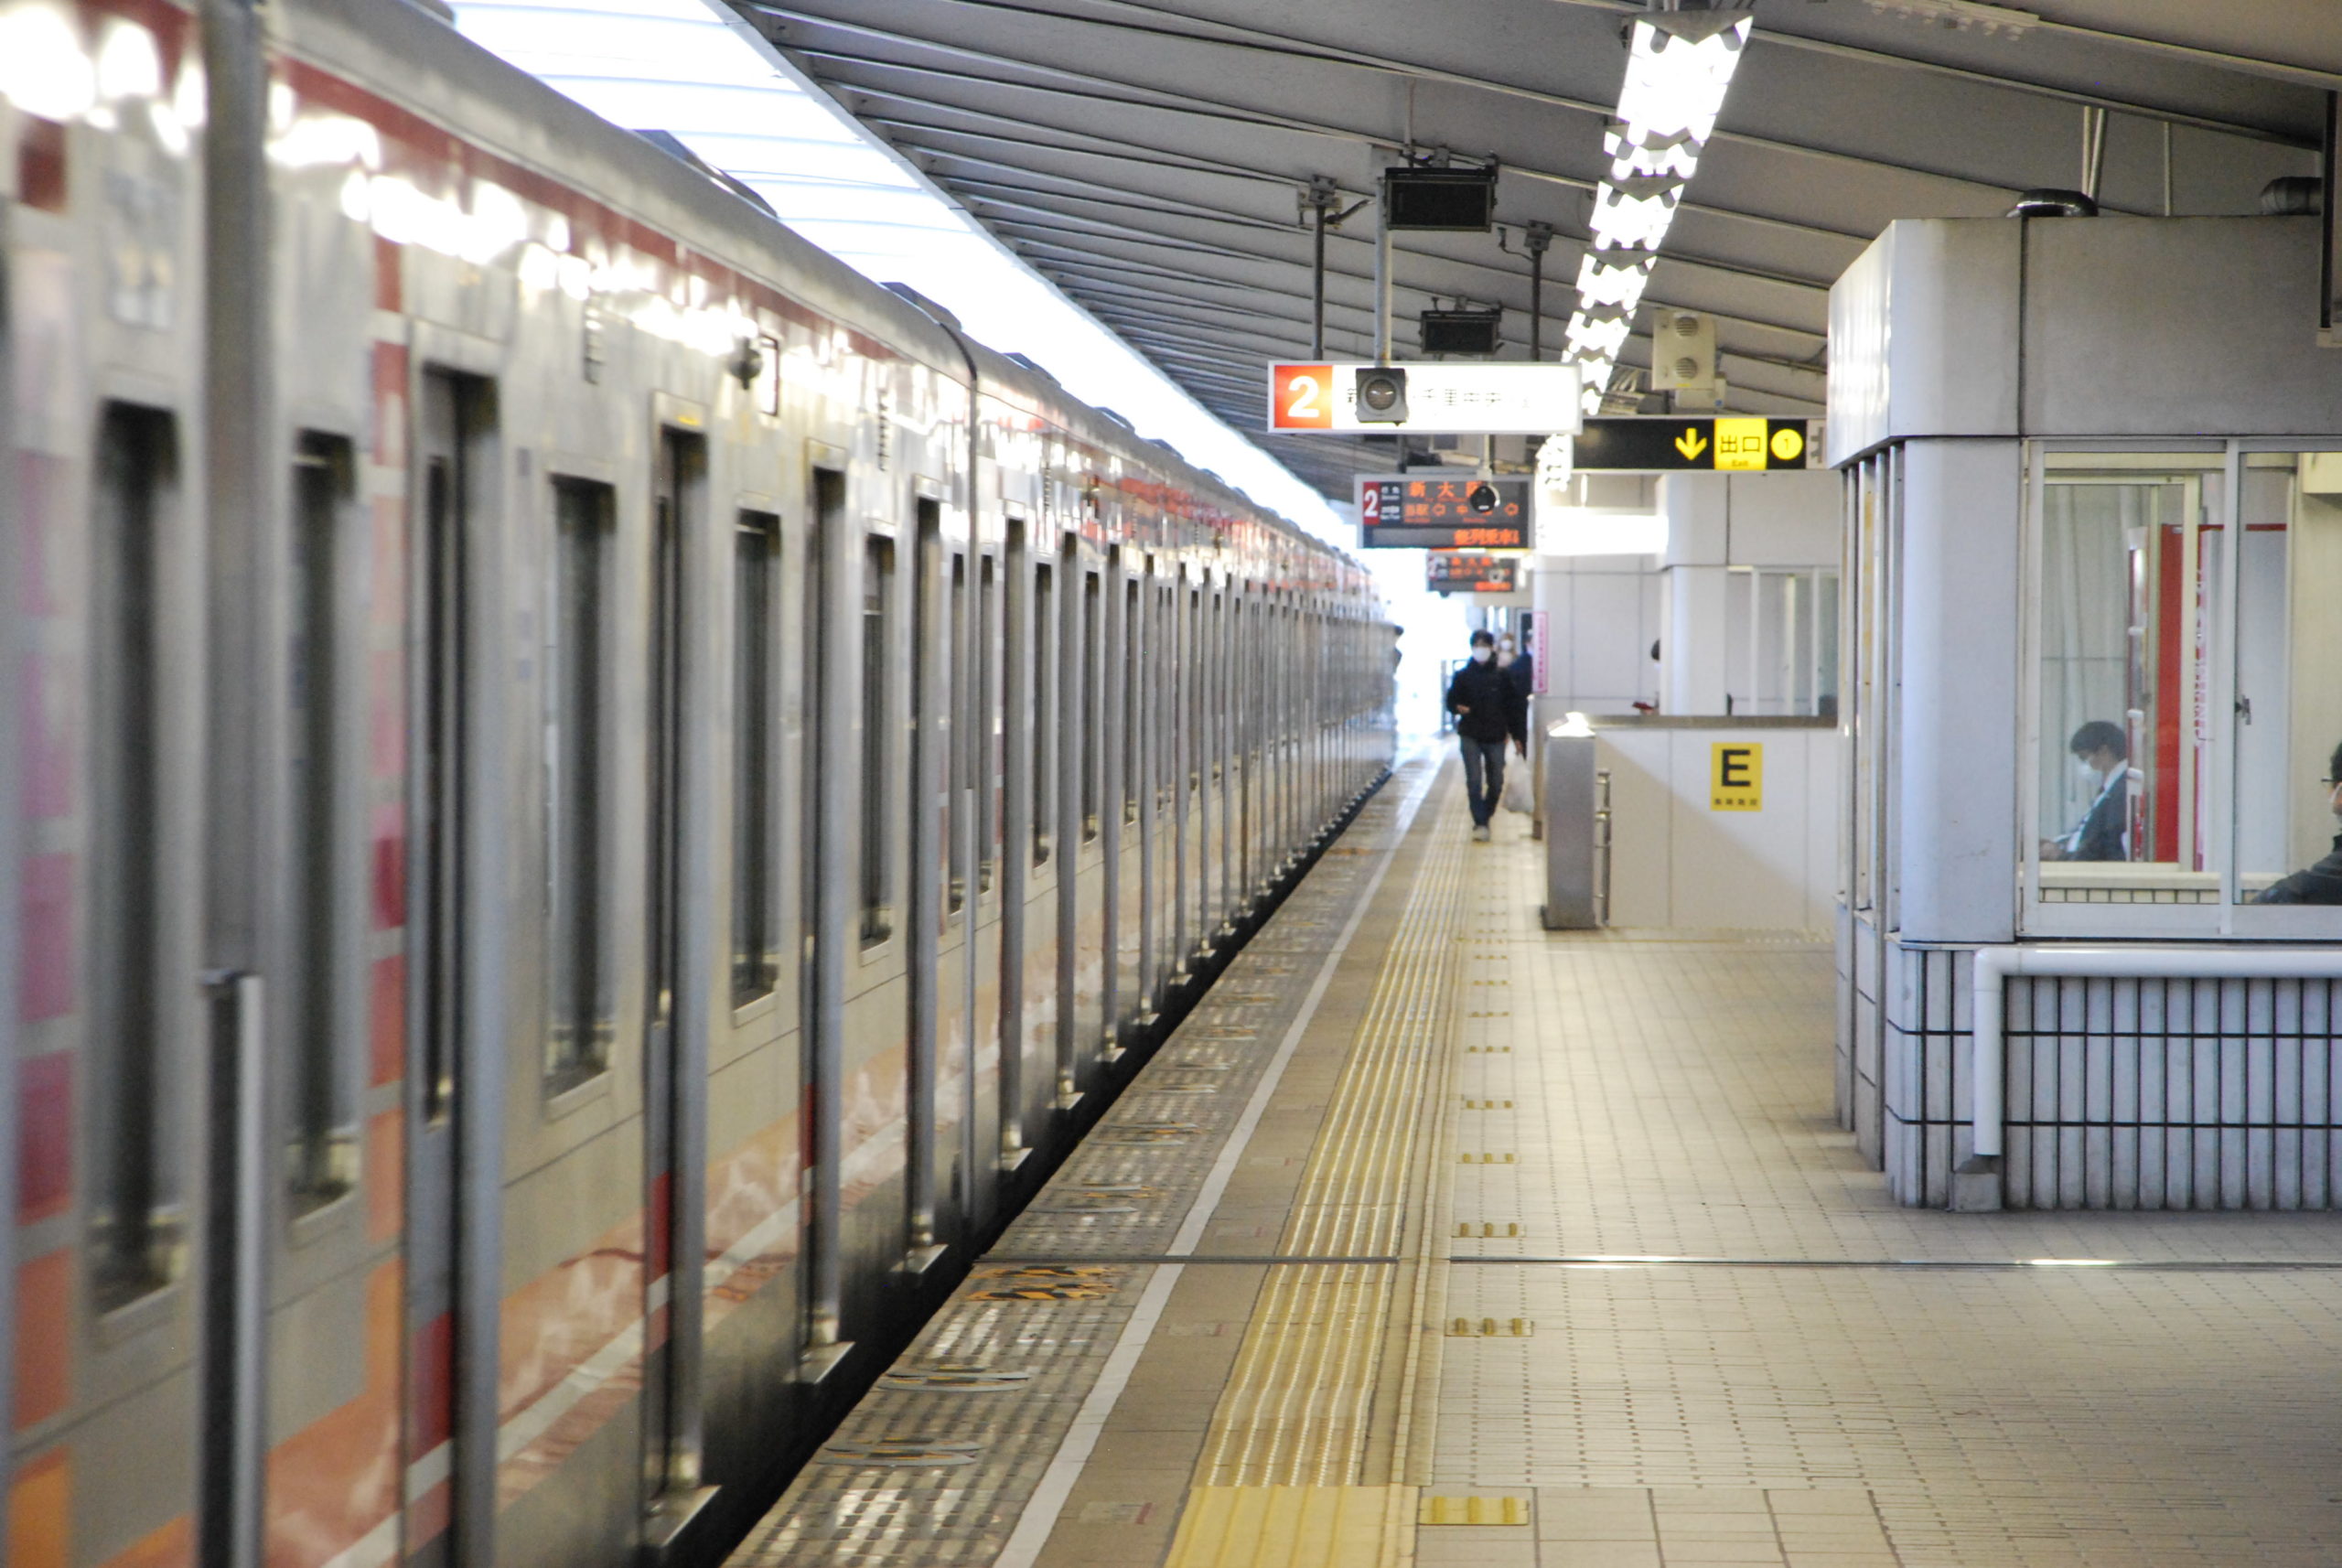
1647, 445
1419, 511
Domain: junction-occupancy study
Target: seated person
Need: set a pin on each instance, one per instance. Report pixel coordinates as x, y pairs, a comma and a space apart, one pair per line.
2322, 882
2105, 833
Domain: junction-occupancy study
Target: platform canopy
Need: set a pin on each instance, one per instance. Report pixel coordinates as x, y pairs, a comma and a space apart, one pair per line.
1153, 160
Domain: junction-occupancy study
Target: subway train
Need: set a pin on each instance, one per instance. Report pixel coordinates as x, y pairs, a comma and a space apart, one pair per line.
590, 798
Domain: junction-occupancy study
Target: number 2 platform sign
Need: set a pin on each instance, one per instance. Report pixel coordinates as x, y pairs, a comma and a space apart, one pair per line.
1443, 398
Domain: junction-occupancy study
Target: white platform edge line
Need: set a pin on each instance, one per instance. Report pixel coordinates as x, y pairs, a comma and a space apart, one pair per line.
1040, 1519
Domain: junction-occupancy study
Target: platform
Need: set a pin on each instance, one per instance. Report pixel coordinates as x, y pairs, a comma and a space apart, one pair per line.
1431, 1237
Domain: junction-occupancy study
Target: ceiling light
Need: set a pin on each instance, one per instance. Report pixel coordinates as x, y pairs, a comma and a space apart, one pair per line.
1678, 64
1614, 278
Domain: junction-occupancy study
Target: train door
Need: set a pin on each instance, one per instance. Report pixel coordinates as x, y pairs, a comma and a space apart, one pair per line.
454, 1182
674, 1065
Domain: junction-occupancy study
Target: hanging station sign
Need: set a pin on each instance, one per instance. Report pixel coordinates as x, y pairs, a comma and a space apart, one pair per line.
1466, 571
1441, 398
1424, 512
1673, 446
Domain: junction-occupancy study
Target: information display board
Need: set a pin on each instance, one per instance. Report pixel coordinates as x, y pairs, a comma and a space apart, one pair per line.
1674, 446
1464, 572
1424, 512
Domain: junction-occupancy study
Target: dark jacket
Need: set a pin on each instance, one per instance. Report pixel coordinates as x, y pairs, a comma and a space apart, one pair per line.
2321, 883
1496, 711
2101, 835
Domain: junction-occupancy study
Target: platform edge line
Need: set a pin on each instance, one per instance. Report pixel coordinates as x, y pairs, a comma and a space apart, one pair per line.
1040, 1520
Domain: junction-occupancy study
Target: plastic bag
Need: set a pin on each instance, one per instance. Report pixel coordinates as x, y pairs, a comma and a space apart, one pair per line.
1518, 791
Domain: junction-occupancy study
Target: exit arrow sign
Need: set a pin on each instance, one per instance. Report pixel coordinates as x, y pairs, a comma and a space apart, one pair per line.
1701, 446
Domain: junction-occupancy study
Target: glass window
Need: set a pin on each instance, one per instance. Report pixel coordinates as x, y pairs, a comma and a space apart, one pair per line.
756, 593
1126, 678
2129, 573
960, 730
131, 1212
2288, 705
321, 1144
987, 722
877, 726
1093, 688
1044, 720
581, 667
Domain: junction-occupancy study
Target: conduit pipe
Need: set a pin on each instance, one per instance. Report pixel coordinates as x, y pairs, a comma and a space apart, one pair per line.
2192, 961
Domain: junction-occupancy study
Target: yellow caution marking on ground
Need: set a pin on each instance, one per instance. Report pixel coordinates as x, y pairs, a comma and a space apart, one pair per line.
1285, 1527
1477, 1508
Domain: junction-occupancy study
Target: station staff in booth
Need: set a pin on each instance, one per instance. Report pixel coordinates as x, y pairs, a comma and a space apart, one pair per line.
2322, 882
1488, 713
2103, 756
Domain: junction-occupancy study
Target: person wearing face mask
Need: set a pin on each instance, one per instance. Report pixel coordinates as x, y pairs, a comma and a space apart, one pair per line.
2101, 756
1488, 713
2322, 882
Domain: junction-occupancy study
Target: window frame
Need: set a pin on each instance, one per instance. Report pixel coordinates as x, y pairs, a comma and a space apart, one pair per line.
2225, 918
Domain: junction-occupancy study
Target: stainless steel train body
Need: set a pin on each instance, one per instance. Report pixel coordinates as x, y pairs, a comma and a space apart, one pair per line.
583, 789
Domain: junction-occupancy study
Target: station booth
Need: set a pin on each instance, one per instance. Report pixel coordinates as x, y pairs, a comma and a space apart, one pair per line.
2091, 694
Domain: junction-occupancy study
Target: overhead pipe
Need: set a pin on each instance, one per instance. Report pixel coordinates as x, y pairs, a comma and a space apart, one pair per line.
2130, 961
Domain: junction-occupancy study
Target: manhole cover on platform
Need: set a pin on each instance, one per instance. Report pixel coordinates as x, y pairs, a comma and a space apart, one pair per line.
900, 1454
1147, 1133
953, 1378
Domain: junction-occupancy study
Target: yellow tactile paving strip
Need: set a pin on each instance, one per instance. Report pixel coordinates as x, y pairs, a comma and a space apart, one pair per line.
1318, 1402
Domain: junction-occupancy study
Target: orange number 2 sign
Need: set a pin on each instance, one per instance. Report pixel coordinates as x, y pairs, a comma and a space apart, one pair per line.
1301, 397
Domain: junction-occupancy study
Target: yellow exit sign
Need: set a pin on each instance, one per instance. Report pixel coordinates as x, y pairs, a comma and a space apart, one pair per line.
1737, 775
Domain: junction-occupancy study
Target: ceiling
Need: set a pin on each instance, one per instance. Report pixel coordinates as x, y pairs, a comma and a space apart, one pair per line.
1152, 160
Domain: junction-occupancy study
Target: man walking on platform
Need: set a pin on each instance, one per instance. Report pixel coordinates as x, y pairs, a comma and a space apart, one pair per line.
1488, 713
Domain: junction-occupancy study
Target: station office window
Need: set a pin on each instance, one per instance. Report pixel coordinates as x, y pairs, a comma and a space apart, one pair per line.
2188, 671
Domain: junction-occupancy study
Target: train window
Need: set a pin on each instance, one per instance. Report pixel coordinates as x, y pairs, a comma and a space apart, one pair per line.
1093, 688
877, 723
987, 720
581, 670
321, 1146
961, 736
133, 1219
1127, 678
455, 435
929, 774
1042, 732
755, 597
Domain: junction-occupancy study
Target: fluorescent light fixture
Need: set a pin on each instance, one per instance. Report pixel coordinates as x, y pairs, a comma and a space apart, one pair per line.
1675, 78
1680, 64
1593, 530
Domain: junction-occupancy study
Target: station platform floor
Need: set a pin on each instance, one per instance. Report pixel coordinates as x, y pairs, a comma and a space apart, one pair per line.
1431, 1237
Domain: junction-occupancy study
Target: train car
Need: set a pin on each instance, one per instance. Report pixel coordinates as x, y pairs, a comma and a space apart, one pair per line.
589, 799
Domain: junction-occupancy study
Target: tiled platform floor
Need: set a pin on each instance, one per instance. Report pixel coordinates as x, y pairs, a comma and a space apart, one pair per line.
1715, 1341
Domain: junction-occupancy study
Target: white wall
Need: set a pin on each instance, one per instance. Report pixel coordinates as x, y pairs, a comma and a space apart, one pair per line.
1675, 862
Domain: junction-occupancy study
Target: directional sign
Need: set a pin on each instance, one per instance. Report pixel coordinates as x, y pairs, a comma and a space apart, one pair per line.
1458, 571
1443, 398
1701, 446
1413, 512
